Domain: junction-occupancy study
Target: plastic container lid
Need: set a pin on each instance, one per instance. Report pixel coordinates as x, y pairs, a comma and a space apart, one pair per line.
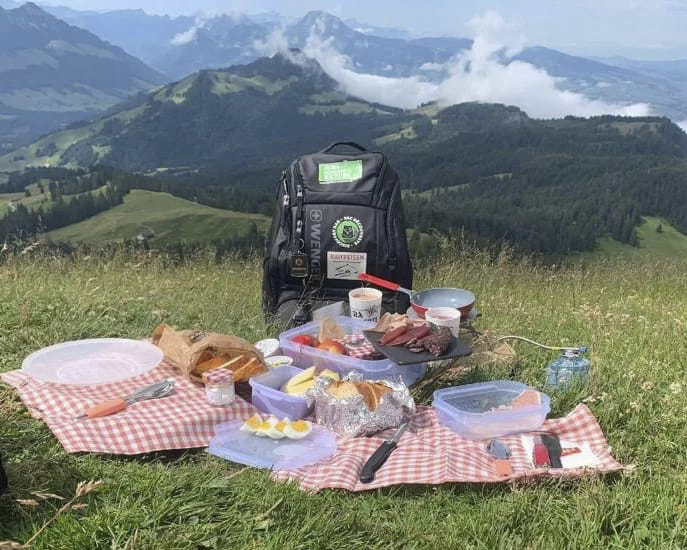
91, 362
277, 454
268, 397
486, 410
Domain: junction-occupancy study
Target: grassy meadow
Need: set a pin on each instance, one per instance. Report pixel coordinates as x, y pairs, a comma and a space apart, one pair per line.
631, 314
653, 244
171, 218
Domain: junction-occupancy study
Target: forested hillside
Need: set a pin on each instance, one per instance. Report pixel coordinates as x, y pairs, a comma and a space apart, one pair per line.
485, 171
546, 186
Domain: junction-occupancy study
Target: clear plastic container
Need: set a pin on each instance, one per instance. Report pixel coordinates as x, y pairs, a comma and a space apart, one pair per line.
262, 452
270, 399
472, 410
381, 369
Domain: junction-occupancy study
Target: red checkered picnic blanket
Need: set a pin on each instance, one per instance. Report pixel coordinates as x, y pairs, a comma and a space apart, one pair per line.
429, 453
181, 420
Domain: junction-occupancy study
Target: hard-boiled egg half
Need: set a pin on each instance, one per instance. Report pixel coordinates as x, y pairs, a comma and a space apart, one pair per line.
298, 429
269, 428
252, 425
274, 428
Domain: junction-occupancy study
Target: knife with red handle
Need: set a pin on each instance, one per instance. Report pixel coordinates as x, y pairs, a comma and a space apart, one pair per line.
540, 455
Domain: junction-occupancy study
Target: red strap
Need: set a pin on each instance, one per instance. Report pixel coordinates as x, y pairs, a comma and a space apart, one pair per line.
541, 455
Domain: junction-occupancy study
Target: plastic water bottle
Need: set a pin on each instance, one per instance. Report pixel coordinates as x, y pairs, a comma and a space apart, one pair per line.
567, 368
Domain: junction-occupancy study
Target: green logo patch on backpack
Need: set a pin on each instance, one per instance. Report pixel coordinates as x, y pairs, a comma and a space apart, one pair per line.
346, 171
347, 232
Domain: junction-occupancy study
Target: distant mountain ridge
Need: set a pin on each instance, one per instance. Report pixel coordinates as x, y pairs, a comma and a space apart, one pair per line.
221, 42
261, 114
257, 113
53, 73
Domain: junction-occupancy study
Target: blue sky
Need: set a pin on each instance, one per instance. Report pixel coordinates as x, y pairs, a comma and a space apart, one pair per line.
652, 29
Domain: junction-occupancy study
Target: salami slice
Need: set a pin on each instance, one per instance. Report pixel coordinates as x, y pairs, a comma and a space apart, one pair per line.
409, 335
392, 334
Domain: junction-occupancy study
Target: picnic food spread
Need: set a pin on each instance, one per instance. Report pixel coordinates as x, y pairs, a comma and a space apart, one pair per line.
325, 386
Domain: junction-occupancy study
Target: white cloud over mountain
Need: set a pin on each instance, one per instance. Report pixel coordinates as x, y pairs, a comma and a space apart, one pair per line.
485, 73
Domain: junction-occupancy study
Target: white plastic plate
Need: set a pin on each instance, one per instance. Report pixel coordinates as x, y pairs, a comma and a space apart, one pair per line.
93, 361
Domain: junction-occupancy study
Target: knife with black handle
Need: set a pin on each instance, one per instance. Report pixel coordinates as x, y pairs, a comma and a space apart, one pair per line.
553, 446
379, 457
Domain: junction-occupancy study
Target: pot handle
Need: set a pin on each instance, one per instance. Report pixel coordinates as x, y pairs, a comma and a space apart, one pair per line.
383, 283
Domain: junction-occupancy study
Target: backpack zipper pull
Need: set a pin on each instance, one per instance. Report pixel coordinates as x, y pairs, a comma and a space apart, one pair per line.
285, 201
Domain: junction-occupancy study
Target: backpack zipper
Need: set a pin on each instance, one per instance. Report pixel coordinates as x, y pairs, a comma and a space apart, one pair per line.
391, 238
286, 200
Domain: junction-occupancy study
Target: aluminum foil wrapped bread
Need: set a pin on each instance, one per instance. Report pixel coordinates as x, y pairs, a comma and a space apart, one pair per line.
353, 406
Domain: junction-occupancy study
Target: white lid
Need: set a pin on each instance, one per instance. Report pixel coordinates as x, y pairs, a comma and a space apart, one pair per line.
268, 347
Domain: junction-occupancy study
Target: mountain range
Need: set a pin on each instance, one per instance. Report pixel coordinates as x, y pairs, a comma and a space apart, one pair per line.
57, 73
249, 117
221, 137
248, 114
52, 73
182, 45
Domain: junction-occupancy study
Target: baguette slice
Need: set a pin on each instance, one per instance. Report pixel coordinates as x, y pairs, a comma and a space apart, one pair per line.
252, 368
330, 330
342, 390
210, 364
365, 389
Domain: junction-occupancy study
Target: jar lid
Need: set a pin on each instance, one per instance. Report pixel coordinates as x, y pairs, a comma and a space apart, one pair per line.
218, 376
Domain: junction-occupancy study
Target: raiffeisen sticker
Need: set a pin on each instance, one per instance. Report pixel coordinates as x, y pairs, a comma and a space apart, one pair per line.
346, 265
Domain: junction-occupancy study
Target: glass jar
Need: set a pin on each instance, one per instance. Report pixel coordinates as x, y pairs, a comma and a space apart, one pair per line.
219, 387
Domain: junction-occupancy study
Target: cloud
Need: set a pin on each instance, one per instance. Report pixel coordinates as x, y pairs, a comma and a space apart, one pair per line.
683, 124
202, 21
396, 92
430, 66
484, 73
191, 34
479, 74
275, 42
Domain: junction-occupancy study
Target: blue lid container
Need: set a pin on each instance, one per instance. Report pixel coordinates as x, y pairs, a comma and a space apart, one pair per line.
380, 369
268, 397
473, 412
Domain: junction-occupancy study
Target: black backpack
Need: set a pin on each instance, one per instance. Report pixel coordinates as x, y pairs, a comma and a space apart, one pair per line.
337, 215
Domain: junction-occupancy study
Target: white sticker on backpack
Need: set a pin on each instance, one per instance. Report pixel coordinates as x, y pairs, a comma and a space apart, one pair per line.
346, 265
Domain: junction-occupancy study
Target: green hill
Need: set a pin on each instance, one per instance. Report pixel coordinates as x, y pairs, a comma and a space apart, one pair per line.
36, 198
668, 243
244, 116
52, 74
170, 218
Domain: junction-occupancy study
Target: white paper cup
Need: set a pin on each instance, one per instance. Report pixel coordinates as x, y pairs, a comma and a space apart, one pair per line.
365, 304
445, 317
